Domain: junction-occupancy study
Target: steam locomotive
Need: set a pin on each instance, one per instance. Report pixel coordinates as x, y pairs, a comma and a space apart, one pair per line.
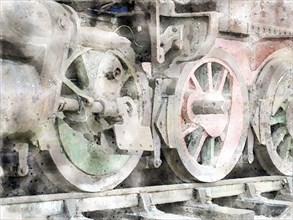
90, 86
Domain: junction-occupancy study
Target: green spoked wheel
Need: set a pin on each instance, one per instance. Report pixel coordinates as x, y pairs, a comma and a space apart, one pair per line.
208, 119
275, 94
84, 149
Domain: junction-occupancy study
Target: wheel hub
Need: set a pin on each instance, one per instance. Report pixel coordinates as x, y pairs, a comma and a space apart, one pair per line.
206, 108
210, 103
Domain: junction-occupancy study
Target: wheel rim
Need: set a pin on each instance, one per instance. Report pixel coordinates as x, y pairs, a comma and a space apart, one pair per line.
275, 85
212, 118
83, 148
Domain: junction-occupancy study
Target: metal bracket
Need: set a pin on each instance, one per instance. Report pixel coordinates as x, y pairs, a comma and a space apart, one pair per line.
46, 137
22, 149
250, 144
167, 7
251, 190
286, 194
154, 27
163, 43
145, 207
147, 210
255, 105
155, 129
70, 212
172, 37
130, 135
202, 197
171, 123
213, 211
1, 173
252, 200
160, 119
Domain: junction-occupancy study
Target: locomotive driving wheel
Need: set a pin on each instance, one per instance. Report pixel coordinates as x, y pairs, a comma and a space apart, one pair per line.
208, 119
275, 92
85, 154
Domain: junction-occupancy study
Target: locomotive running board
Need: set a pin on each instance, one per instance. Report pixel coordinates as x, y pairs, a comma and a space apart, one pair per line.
196, 197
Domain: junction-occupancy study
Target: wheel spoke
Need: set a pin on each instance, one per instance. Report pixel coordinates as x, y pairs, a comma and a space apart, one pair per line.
197, 142
285, 147
208, 153
278, 136
190, 128
281, 95
210, 77
221, 81
279, 102
212, 149
196, 83
278, 119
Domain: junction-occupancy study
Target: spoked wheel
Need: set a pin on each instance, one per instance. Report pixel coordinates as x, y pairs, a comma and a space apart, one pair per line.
275, 90
84, 150
209, 119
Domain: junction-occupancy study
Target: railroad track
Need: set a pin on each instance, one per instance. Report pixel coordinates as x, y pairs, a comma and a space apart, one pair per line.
249, 198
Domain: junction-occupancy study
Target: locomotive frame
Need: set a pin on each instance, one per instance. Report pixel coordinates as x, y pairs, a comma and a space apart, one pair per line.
96, 110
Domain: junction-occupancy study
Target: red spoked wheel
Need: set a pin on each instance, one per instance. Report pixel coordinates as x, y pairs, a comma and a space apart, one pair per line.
275, 94
208, 119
